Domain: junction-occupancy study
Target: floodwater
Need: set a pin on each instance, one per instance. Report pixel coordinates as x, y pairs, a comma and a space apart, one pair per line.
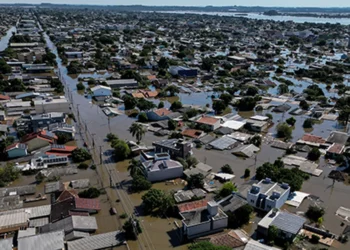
5, 39
296, 19
161, 233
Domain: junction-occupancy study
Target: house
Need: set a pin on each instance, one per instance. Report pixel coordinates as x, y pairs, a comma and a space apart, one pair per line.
4, 98
203, 221
182, 71
98, 241
257, 123
2, 115
193, 133
161, 168
74, 54
234, 239
267, 195
53, 240
245, 151
174, 147
334, 150
231, 203
16, 150
62, 128
338, 137
127, 83
234, 125
73, 223
44, 120
288, 225
311, 140
100, 90
52, 105
241, 137
255, 245
161, 114
212, 122
223, 143
61, 150
36, 141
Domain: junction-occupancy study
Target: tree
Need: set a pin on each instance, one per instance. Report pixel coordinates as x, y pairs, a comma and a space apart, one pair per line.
219, 106
284, 131
163, 63
137, 130
139, 183
121, 150
314, 212
80, 86
283, 89
308, 123
227, 169
207, 64
90, 193
132, 228
134, 167
227, 189
291, 121
172, 124
80, 155
240, 217
247, 103
145, 105
272, 233
129, 102
156, 199
83, 166
63, 138
8, 174
172, 89
304, 105
314, 154
252, 91
246, 173
176, 106
206, 245
196, 181
226, 98
4, 67
160, 105
111, 137
256, 140
143, 117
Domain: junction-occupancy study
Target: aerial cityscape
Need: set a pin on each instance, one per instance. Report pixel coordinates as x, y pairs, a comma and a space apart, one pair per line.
143, 127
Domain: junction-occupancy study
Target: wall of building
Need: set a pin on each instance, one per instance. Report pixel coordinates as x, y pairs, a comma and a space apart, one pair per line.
165, 174
52, 107
14, 153
193, 231
220, 223
284, 197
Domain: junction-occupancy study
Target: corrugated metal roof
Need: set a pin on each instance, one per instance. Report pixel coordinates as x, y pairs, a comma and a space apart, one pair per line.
99, 241
33, 212
54, 240
13, 220
79, 223
39, 222
288, 222
26, 233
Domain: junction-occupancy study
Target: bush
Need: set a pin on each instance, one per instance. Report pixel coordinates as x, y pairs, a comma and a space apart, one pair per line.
227, 169
284, 131
142, 117
124, 216
246, 173
227, 189
314, 154
83, 166
308, 123
304, 105
80, 86
314, 213
291, 121
111, 137
90, 193
314, 239
80, 155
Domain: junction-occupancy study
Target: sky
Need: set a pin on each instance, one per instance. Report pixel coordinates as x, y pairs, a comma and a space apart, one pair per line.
279, 3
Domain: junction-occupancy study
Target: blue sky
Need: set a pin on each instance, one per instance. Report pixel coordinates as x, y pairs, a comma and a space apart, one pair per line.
295, 3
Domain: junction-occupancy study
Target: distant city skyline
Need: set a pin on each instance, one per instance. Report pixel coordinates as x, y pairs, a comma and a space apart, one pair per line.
267, 3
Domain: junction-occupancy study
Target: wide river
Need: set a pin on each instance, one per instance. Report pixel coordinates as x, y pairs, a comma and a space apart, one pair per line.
296, 19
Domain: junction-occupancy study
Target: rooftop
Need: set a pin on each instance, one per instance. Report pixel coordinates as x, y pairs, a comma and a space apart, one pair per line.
208, 120
53, 240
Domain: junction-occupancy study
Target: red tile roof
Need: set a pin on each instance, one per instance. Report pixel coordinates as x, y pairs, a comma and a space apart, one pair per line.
336, 148
193, 133
32, 136
162, 112
208, 120
90, 204
229, 239
14, 145
4, 97
313, 138
192, 205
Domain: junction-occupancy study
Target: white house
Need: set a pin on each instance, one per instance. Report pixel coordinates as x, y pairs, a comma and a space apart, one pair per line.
100, 90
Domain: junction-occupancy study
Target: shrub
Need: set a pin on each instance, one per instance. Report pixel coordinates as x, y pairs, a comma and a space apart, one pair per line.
246, 173
291, 121
227, 169
80, 155
80, 86
314, 154
227, 189
90, 193
308, 123
124, 216
314, 239
83, 166
315, 212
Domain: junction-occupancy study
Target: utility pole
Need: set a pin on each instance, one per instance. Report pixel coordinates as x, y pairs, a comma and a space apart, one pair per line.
93, 139
101, 154
78, 111
110, 178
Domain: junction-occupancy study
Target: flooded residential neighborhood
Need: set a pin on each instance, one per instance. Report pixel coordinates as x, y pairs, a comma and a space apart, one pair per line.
139, 127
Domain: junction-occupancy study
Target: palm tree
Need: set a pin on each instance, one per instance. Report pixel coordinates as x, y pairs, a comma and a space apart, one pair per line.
134, 167
137, 131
